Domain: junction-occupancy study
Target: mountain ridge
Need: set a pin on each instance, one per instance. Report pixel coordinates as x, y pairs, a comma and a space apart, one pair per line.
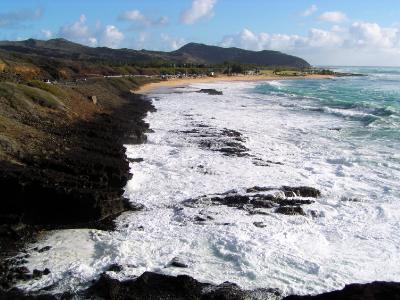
195, 53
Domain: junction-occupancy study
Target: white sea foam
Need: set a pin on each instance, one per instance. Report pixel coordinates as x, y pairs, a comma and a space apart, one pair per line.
346, 241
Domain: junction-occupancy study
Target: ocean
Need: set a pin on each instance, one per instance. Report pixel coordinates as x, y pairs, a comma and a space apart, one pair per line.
340, 136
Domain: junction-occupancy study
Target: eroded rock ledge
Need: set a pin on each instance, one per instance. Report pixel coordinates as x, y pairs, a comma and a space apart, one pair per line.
153, 286
259, 200
75, 180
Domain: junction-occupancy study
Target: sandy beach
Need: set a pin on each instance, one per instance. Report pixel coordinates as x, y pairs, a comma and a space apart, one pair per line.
186, 81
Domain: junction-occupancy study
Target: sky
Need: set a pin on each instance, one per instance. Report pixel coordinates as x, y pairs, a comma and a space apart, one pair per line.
324, 32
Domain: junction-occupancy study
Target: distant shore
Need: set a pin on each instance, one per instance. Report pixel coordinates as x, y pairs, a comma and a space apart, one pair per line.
146, 88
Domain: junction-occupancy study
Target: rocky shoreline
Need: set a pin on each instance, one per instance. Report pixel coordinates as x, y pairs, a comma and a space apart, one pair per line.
76, 180
86, 170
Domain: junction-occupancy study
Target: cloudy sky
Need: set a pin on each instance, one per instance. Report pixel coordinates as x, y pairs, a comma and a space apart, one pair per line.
325, 32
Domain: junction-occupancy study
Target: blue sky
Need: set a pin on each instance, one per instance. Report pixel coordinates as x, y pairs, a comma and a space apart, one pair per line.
340, 32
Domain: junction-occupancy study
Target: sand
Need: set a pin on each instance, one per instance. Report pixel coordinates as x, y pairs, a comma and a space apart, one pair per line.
147, 88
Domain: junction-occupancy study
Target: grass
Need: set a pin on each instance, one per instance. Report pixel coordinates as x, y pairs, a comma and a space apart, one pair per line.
51, 88
23, 97
41, 97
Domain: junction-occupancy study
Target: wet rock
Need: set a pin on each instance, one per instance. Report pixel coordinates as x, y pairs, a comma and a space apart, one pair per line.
295, 202
178, 263
265, 163
235, 201
301, 191
135, 160
256, 199
114, 268
133, 206
259, 224
200, 219
46, 248
46, 271
210, 91
262, 203
157, 286
350, 199
377, 290
256, 189
21, 270
20, 273
227, 141
38, 273
190, 131
290, 210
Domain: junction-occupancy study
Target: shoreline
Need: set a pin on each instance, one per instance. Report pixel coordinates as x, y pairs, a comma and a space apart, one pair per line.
77, 178
158, 286
149, 87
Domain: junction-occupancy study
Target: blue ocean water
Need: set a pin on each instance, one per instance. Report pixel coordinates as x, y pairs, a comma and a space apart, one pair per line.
372, 101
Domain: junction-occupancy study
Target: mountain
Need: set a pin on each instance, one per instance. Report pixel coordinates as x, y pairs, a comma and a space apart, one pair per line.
216, 55
190, 53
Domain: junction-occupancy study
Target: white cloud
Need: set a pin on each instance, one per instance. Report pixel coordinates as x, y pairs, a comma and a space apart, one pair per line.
200, 9
47, 34
333, 17
80, 32
360, 43
111, 37
171, 43
137, 17
309, 11
249, 40
77, 31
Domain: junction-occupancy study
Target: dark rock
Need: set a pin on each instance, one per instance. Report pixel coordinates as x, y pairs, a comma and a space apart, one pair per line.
76, 178
37, 274
259, 224
290, 210
133, 206
254, 199
176, 262
46, 271
135, 160
114, 268
210, 91
200, 219
46, 248
293, 202
350, 199
21, 270
377, 290
157, 286
301, 191
235, 200
261, 203
87, 180
256, 189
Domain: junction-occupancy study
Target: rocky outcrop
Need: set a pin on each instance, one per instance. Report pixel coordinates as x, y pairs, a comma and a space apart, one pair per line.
256, 200
80, 177
67, 173
228, 142
157, 286
210, 91
377, 290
